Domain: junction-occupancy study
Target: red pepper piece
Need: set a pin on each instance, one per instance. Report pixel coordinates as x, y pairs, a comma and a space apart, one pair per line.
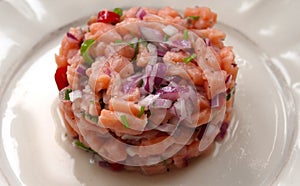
105, 16
61, 77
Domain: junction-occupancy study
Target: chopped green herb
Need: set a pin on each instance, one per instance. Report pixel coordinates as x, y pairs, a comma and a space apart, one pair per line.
165, 162
190, 58
119, 41
132, 34
92, 118
83, 147
136, 48
131, 45
124, 121
185, 34
228, 96
195, 18
141, 111
67, 94
92, 102
89, 30
118, 11
84, 51
166, 37
143, 42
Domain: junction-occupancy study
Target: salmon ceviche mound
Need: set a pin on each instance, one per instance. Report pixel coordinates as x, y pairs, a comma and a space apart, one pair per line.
146, 89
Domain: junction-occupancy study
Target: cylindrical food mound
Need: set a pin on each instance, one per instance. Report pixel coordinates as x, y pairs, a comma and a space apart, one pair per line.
145, 89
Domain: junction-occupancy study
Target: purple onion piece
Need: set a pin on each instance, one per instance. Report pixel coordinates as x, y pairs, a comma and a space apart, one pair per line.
152, 54
157, 115
175, 49
180, 109
170, 95
207, 42
215, 102
166, 127
173, 79
223, 130
148, 100
72, 37
128, 86
201, 132
159, 73
181, 44
131, 83
147, 86
168, 92
228, 79
162, 103
164, 46
151, 34
81, 69
161, 53
140, 13
154, 76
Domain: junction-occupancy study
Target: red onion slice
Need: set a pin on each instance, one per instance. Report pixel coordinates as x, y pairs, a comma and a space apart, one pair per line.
131, 83
157, 115
161, 103
140, 13
228, 79
215, 102
180, 44
72, 38
170, 30
152, 54
81, 69
207, 41
151, 34
166, 127
76, 94
159, 72
148, 100
168, 92
154, 76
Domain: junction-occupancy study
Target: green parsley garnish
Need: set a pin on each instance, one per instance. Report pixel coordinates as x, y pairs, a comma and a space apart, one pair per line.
228, 96
141, 111
92, 118
67, 92
166, 37
84, 51
118, 11
83, 147
185, 34
124, 121
143, 42
131, 44
165, 162
195, 18
190, 58
119, 41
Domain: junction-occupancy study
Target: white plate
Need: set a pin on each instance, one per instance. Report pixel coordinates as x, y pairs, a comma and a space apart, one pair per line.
262, 148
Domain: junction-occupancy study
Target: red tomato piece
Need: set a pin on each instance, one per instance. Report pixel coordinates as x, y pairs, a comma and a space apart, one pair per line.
61, 77
105, 16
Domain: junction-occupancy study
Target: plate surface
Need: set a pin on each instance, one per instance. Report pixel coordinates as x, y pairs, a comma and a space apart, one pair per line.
262, 148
